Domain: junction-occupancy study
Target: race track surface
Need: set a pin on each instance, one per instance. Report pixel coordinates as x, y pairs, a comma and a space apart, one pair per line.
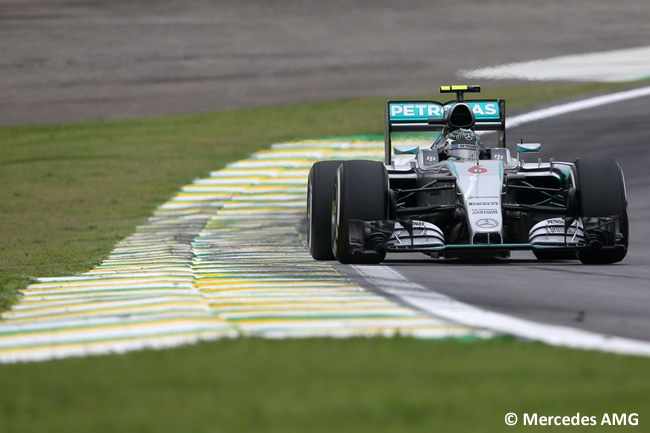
68, 60
612, 299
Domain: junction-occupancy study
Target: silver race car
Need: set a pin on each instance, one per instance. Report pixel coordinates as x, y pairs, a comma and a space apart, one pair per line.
456, 198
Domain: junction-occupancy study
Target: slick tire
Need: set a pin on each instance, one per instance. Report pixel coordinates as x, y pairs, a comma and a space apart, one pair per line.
320, 193
601, 192
360, 193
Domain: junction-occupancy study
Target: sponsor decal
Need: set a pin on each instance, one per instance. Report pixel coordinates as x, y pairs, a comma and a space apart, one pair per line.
477, 169
471, 197
430, 110
486, 223
463, 134
431, 158
484, 211
485, 110
482, 110
416, 111
485, 203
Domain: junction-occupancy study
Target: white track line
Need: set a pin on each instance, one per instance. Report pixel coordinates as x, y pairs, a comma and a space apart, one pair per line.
393, 283
606, 66
570, 107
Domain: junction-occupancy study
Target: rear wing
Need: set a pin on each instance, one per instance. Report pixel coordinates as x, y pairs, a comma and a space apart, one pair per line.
422, 116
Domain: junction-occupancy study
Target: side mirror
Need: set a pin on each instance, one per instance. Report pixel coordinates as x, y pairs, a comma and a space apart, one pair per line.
529, 147
407, 149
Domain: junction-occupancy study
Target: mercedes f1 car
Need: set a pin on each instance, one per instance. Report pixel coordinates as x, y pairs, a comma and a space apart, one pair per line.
456, 198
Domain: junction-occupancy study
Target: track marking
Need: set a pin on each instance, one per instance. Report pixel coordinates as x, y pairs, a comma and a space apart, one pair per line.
221, 259
571, 107
393, 283
607, 66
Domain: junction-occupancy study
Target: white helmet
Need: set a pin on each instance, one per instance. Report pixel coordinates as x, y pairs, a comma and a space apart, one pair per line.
462, 144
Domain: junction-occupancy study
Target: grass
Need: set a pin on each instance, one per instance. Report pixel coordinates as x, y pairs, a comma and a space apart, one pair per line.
322, 385
71, 191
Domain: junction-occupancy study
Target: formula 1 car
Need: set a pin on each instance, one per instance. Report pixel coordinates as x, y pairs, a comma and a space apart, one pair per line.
456, 198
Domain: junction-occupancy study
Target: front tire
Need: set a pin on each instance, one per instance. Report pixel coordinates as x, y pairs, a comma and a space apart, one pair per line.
360, 193
320, 191
601, 193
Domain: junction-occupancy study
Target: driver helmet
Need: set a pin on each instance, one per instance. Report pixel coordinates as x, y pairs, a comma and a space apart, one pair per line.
462, 144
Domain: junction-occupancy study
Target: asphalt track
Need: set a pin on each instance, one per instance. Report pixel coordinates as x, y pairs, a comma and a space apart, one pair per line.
68, 60
614, 299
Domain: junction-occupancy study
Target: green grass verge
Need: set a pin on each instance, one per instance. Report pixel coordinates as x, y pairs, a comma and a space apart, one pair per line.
322, 385
71, 191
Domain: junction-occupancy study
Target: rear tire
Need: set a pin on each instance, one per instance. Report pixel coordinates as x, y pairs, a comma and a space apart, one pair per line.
601, 193
360, 193
320, 192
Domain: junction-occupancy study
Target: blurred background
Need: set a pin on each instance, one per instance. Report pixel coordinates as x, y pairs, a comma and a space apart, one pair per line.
80, 60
